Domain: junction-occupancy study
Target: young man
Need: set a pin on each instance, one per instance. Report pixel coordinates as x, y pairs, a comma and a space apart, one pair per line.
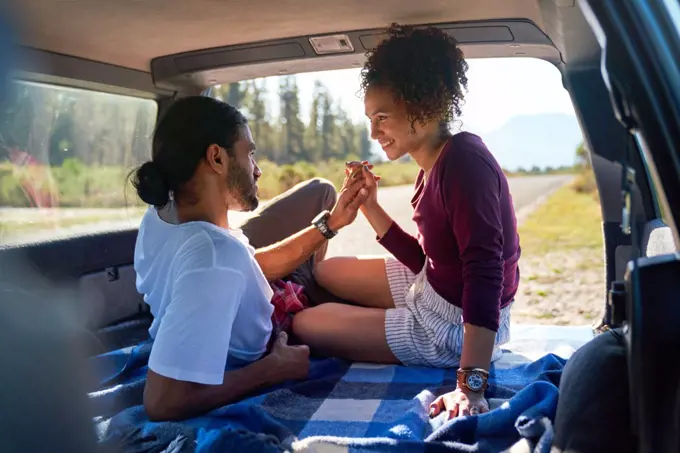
207, 286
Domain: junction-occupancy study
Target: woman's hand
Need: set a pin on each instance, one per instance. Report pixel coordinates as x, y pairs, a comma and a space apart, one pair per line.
350, 198
353, 169
459, 403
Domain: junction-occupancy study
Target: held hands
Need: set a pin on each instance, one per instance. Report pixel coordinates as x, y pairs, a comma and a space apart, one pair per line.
291, 362
357, 169
352, 195
458, 403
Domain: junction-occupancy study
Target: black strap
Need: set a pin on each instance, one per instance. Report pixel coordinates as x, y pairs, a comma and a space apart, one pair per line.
615, 313
629, 224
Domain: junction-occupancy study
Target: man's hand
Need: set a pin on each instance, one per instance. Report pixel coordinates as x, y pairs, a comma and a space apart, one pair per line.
371, 180
352, 194
170, 399
459, 403
291, 362
282, 258
376, 216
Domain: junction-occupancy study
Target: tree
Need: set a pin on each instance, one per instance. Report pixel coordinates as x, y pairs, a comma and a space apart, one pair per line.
282, 137
347, 144
582, 156
313, 138
232, 93
365, 151
328, 127
256, 106
291, 124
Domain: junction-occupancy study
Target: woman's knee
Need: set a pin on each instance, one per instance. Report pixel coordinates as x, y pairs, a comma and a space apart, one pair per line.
308, 323
299, 326
340, 274
324, 271
357, 280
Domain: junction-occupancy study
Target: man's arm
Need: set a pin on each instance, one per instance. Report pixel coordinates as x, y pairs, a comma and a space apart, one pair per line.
190, 350
282, 258
171, 399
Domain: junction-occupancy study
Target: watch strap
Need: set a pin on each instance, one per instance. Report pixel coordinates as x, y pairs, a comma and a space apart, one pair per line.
321, 223
473, 379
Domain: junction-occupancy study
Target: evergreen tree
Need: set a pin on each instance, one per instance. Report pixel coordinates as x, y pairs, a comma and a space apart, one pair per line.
292, 127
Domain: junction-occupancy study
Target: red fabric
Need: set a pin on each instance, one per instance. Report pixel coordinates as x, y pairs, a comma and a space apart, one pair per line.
289, 298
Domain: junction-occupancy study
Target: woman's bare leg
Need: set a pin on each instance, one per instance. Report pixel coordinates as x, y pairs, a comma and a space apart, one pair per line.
361, 280
345, 331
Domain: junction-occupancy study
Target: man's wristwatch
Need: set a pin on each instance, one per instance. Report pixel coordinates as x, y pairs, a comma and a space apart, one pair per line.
473, 379
321, 223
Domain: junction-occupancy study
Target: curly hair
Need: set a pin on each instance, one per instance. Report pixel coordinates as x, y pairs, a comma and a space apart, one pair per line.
424, 68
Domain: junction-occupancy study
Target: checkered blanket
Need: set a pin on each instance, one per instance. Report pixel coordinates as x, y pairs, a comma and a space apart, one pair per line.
340, 407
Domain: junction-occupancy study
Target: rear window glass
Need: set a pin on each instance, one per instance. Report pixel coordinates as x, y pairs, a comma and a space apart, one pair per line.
64, 158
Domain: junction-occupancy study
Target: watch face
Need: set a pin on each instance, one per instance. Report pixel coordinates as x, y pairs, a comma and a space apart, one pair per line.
475, 381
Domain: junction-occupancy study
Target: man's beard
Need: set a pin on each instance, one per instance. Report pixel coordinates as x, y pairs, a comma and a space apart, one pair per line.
242, 187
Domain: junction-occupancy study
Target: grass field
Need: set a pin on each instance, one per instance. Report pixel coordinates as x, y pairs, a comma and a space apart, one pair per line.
562, 264
76, 185
568, 220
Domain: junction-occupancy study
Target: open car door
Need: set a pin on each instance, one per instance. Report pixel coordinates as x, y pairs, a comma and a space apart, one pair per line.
640, 43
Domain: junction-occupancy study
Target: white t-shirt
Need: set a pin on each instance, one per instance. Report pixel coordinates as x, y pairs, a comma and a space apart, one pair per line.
210, 300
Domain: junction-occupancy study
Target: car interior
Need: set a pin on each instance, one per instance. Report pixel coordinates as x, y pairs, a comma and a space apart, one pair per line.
617, 70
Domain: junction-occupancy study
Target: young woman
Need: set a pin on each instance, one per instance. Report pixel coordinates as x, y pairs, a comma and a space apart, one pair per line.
444, 298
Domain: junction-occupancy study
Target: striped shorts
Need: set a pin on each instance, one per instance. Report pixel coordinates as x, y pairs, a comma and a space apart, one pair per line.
424, 329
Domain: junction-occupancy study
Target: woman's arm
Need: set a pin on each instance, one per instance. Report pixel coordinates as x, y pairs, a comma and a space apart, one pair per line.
478, 345
399, 243
472, 197
473, 202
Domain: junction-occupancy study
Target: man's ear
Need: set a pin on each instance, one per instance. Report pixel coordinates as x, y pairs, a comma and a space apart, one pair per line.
216, 158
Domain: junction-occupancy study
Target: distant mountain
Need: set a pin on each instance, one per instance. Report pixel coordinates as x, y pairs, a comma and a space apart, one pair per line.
542, 140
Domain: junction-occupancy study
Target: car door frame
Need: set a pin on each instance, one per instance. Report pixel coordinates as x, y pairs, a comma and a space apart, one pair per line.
641, 68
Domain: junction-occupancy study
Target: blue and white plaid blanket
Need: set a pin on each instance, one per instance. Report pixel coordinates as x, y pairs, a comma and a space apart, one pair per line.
341, 407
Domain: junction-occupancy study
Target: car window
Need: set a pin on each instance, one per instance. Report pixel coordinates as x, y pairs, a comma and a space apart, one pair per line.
64, 158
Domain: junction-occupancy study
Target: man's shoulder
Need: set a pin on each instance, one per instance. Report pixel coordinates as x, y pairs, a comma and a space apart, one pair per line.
192, 245
207, 242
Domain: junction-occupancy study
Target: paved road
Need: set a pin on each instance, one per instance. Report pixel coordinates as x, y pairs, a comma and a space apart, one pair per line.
358, 238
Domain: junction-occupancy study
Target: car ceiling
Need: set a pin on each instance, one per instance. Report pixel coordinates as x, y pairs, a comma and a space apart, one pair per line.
132, 33
129, 33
